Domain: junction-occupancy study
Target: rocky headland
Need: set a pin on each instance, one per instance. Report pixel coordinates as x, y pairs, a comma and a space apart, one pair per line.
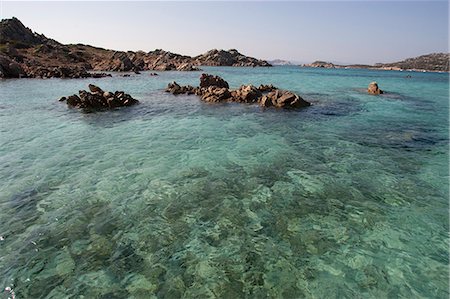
214, 89
24, 53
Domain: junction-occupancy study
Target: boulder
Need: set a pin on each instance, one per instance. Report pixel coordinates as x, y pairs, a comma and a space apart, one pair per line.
175, 88
98, 99
283, 99
95, 89
210, 80
215, 94
246, 94
374, 89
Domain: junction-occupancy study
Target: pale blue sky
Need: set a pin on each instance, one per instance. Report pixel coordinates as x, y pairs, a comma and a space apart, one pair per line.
348, 32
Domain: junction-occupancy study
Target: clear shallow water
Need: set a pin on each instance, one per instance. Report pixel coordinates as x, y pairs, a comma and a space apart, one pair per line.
177, 198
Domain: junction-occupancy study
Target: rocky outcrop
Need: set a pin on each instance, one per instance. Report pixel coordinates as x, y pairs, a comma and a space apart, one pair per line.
210, 80
228, 58
214, 89
374, 89
14, 32
283, 99
247, 94
175, 88
98, 99
10, 68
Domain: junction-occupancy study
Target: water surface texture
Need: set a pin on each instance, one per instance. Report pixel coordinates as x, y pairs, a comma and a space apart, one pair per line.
175, 198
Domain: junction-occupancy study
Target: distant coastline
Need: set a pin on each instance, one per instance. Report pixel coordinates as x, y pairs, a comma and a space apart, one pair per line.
26, 54
434, 62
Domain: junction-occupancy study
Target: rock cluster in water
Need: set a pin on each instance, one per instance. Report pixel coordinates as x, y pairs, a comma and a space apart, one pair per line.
374, 89
214, 89
99, 99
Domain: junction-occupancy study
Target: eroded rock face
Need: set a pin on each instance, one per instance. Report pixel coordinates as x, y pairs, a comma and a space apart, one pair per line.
374, 89
214, 89
98, 99
210, 80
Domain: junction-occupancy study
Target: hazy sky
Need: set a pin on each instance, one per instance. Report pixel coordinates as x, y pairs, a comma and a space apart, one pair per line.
347, 32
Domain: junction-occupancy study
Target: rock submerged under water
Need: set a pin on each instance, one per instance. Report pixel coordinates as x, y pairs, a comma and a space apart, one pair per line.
98, 99
214, 89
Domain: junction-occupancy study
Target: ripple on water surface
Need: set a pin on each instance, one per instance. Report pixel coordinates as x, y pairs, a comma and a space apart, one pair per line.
176, 198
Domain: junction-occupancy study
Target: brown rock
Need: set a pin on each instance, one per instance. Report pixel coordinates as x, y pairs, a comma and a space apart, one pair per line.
187, 67
247, 94
98, 99
95, 89
266, 88
210, 80
215, 94
283, 99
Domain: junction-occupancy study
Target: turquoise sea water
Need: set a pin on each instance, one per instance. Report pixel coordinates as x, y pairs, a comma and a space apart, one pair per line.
175, 198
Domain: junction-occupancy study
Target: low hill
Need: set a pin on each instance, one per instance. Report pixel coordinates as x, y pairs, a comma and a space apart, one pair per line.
429, 62
436, 62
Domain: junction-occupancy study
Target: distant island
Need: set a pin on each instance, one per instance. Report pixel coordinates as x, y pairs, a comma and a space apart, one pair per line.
24, 53
435, 62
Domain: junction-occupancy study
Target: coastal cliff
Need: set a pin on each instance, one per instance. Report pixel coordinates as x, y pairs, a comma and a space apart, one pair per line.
24, 53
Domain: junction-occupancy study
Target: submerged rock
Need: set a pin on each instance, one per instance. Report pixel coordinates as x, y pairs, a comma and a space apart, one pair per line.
98, 99
374, 89
214, 89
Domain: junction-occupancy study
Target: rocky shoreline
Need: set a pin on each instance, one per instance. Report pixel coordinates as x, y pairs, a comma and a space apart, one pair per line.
213, 89
26, 54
